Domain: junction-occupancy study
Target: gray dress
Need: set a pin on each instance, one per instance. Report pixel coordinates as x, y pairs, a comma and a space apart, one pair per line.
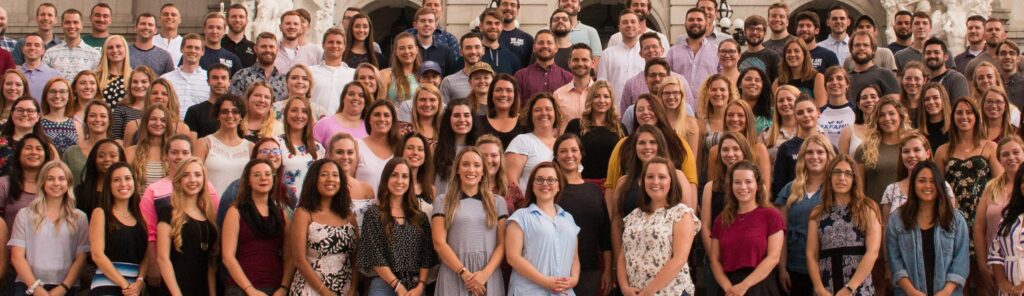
473, 242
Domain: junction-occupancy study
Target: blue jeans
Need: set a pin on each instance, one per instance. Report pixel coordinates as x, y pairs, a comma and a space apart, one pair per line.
379, 288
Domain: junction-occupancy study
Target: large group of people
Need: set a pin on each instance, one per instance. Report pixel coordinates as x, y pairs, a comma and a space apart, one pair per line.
504, 162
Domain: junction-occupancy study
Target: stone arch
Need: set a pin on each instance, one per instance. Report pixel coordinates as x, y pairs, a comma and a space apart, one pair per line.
658, 19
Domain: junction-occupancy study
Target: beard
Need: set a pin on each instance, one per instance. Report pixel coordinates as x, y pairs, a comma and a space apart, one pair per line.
866, 58
992, 43
266, 59
696, 33
560, 33
933, 64
904, 35
755, 42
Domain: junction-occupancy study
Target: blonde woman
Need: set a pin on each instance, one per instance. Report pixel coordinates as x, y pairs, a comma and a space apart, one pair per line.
113, 69
160, 93
991, 205
399, 81
369, 75
186, 237
599, 131
715, 95
878, 156
783, 125
672, 91
996, 108
130, 108
740, 119
425, 116
145, 157
299, 84
259, 120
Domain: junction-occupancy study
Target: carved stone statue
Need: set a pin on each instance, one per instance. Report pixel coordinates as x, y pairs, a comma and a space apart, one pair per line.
323, 18
268, 15
948, 17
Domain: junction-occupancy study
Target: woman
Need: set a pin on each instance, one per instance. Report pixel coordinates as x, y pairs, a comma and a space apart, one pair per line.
877, 157
914, 148
739, 119
145, 157
376, 149
933, 118
362, 48
529, 149
259, 120
19, 188
130, 108
423, 115
113, 68
224, 152
253, 235
715, 95
117, 236
551, 263
750, 226
991, 206
50, 238
299, 84
1006, 242
783, 125
755, 89
672, 91
456, 133
650, 111
729, 53
396, 243
927, 241
797, 70
657, 236
839, 112
300, 147
400, 80
24, 120
986, 75
502, 119
325, 229
345, 152
583, 200
186, 234
161, 93
96, 128
415, 149
732, 149
14, 85
494, 155
349, 117
853, 136
468, 228
911, 80
599, 130
57, 122
370, 77
796, 200
270, 150
83, 90
480, 85
89, 191
843, 234
996, 109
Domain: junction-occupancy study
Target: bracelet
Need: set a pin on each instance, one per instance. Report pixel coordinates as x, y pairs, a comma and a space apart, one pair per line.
848, 288
66, 288
32, 289
247, 288
461, 271
394, 283
140, 279
283, 287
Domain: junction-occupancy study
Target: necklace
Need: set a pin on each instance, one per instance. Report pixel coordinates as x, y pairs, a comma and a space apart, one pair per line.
203, 242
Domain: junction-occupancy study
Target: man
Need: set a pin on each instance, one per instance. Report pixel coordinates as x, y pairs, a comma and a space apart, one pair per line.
571, 97
622, 61
561, 27
995, 34
975, 42
883, 56
757, 55
100, 17
517, 41
46, 18
643, 9
580, 32
352, 11
426, 24
7, 43
189, 80
199, 117
838, 41
922, 27
143, 52
73, 55
331, 76
168, 39
1009, 62
263, 70
237, 43
500, 57
37, 72
290, 51
807, 29
714, 33
648, 80
213, 32
935, 52
778, 22
430, 73
456, 86
697, 58
440, 35
901, 26
304, 20
865, 72
543, 75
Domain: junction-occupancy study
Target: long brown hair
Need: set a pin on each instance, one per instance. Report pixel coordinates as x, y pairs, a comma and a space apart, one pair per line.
307, 130
806, 70
732, 205
979, 129
862, 208
675, 192
947, 109
943, 207
410, 204
403, 86
719, 166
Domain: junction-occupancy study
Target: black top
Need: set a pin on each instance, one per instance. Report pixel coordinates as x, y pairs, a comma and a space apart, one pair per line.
598, 144
86, 200
199, 118
243, 49
631, 201
408, 249
355, 59
505, 137
191, 262
442, 55
928, 246
586, 204
935, 135
125, 243
784, 168
717, 204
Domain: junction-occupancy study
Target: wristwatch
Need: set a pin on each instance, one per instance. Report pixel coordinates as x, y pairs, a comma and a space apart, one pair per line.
848, 288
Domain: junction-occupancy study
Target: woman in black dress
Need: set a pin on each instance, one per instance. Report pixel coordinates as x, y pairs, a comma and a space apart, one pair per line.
118, 236
186, 235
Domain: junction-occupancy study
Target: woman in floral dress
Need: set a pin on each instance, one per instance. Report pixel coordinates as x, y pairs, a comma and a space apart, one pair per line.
325, 228
299, 147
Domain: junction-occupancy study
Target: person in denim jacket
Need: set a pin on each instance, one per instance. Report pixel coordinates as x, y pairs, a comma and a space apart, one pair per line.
937, 266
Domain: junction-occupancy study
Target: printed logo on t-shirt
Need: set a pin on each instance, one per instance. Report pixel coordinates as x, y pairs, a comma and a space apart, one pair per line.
517, 41
226, 62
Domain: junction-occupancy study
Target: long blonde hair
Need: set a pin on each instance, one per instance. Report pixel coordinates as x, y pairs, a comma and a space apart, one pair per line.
679, 124
776, 129
703, 100
454, 194
869, 149
797, 190
104, 66
179, 198
142, 146
750, 129
68, 213
500, 180
266, 128
995, 186
611, 118
425, 88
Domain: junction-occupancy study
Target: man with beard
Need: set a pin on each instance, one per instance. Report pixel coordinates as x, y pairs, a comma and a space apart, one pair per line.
901, 25
995, 33
543, 75
456, 86
642, 9
430, 50
189, 80
331, 75
571, 97
501, 58
865, 72
263, 70
713, 33
975, 42
46, 18
622, 61
290, 50
237, 43
807, 29
198, 116
580, 32
697, 58
757, 55
648, 80
515, 40
561, 27
440, 35
935, 52
143, 52
922, 27
73, 55
213, 32
778, 22
838, 41
168, 39
1009, 62
8, 43
883, 56
100, 17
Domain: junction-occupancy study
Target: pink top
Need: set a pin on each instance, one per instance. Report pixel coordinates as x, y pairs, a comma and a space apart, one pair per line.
993, 215
157, 194
744, 243
328, 126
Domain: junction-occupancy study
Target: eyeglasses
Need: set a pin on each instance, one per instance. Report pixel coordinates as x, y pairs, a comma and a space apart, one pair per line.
671, 94
728, 51
232, 111
274, 152
545, 181
58, 91
25, 111
560, 19
842, 173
